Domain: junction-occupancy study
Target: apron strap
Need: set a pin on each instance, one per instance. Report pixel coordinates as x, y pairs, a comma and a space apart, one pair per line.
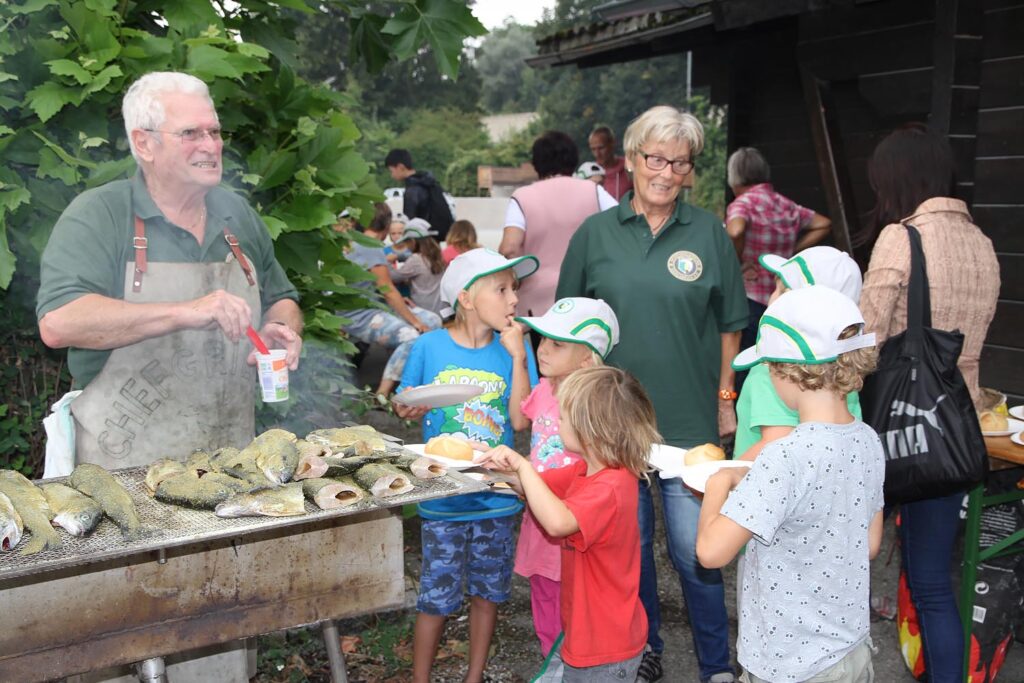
239, 256
141, 244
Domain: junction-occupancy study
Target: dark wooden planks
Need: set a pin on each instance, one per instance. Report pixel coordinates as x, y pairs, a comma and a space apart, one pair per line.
1007, 328
1002, 367
999, 180
1002, 83
1001, 132
1004, 225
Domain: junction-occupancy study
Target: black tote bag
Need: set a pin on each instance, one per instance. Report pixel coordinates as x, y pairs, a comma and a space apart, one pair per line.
918, 403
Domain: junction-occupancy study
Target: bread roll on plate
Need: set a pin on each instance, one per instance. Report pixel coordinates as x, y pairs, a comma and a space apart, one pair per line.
449, 447
992, 421
704, 453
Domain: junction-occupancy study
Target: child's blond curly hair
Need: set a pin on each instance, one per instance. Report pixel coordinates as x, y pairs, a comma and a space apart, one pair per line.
842, 376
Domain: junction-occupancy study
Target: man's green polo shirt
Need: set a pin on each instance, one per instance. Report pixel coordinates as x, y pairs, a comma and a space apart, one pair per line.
92, 243
674, 294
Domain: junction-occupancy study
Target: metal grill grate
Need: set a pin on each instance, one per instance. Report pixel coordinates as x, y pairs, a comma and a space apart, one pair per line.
176, 526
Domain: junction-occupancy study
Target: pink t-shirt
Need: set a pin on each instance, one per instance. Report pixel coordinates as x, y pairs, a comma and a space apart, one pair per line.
537, 553
449, 253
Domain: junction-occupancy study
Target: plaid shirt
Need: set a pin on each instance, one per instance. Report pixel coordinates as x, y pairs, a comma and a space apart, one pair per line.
773, 222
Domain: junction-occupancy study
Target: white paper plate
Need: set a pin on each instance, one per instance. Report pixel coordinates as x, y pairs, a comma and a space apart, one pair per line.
1017, 412
1012, 427
696, 476
669, 460
1016, 438
496, 486
438, 395
450, 463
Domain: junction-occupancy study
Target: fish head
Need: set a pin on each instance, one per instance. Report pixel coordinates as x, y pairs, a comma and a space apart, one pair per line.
10, 534
79, 522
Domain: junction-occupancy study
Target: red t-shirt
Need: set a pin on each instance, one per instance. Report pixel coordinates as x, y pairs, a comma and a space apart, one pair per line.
602, 616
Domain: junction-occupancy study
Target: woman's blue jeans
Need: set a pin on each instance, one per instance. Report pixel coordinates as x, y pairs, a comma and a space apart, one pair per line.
703, 589
928, 530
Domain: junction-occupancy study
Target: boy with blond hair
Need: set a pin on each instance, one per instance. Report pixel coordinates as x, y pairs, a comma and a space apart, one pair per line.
809, 511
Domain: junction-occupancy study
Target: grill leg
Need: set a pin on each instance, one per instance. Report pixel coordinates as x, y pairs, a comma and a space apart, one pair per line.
152, 671
335, 656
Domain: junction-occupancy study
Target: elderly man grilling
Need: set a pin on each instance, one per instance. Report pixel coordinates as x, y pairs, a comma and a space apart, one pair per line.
151, 284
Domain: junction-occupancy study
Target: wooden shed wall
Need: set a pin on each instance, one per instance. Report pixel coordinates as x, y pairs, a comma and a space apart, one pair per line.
999, 187
876, 60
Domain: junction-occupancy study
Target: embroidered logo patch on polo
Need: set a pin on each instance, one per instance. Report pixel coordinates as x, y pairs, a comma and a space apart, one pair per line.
685, 266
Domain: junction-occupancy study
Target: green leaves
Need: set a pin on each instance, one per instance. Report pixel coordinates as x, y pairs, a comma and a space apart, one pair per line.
49, 98
443, 24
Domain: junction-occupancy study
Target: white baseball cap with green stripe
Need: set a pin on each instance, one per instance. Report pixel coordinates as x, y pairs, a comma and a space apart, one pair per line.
817, 266
803, 326
467, 268
579, 320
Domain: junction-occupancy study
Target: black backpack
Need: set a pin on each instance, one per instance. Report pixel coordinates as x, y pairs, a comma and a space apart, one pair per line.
438, 214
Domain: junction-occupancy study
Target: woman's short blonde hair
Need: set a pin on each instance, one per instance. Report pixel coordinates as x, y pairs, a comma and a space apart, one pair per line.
664, 124
612, 416
844, 375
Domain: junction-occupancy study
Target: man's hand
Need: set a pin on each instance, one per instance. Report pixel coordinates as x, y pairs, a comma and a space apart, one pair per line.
277, 335
220, 309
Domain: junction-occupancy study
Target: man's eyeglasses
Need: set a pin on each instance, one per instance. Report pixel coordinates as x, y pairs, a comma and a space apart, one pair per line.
656, 162
192, 134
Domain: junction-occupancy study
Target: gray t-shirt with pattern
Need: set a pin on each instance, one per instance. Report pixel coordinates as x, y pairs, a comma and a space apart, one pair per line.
808, 500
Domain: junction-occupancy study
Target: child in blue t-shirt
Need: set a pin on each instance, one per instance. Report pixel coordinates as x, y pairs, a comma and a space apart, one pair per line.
470, 538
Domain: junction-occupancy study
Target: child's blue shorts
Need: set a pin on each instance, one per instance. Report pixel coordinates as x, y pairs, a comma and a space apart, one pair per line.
476, 554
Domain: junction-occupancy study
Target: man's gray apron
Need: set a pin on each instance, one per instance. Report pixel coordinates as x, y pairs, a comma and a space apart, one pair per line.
165, 397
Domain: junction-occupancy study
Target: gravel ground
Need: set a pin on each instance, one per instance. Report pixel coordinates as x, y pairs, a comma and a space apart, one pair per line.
378, 649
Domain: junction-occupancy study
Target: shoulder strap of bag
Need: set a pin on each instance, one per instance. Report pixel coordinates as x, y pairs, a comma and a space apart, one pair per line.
919, 305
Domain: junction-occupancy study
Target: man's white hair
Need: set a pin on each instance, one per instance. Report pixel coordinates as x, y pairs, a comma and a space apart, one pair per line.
663, 124
142, 108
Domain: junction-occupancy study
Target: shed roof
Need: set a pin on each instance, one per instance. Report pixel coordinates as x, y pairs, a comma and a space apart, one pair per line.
624, 23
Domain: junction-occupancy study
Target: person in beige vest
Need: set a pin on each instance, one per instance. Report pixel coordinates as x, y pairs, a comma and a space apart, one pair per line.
151, 284
543, 216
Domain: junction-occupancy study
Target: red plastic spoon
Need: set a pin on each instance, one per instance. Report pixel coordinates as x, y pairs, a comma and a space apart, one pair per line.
254, 337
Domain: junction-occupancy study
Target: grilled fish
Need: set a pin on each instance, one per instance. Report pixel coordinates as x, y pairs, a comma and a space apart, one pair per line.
383, 480
201, 463
329, 494
101, 486
35, 513
312, 467
276, 454
162, 470
224, 458
75, 513
11, 526
346, 441
206, 492
421, 467
281, 501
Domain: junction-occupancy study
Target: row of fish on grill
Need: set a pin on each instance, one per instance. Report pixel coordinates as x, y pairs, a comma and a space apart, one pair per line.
272, 476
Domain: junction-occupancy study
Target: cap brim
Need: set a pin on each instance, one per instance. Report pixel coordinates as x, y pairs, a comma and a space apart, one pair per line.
536, 324
523, 267
746, 359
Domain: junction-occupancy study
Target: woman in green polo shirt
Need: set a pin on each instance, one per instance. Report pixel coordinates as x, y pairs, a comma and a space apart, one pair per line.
669, 271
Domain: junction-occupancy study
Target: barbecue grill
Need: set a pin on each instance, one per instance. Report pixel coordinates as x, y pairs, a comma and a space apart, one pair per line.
199, 580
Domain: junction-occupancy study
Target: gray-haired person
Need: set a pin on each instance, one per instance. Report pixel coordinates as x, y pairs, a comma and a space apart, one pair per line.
762, 221
151, 283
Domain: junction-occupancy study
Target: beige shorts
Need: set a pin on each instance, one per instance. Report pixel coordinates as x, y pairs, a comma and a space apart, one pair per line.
855, 667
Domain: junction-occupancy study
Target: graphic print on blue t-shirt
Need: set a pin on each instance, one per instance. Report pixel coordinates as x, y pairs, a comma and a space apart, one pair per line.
483, 418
